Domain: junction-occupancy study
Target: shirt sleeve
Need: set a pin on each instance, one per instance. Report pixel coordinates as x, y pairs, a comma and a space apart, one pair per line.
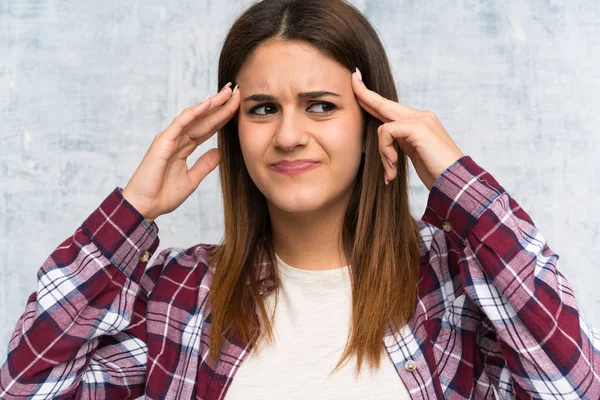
511, 274
83, 332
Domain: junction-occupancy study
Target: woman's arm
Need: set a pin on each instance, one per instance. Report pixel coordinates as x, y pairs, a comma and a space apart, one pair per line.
511, 274
84, 330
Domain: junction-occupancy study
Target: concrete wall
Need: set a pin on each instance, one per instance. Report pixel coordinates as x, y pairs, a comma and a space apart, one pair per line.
85, 86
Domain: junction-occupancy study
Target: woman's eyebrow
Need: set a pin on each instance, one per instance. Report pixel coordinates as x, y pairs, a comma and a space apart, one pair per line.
302, 95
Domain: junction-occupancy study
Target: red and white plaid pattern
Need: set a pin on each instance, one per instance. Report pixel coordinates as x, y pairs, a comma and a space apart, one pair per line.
494, 319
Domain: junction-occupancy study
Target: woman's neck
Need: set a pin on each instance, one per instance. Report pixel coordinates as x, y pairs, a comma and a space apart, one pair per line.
310, 241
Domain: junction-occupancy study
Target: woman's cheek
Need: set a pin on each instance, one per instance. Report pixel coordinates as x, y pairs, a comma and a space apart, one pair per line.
344, 138
254, 144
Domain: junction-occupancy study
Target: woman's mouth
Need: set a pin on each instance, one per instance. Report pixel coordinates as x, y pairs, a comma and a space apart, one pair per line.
294, 167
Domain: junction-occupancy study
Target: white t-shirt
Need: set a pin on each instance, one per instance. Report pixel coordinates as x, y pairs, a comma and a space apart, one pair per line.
311, 329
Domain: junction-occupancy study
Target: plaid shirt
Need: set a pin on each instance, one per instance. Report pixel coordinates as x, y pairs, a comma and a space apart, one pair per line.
494, 317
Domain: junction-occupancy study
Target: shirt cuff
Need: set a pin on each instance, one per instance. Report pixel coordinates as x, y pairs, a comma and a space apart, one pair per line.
122, 234
459, 196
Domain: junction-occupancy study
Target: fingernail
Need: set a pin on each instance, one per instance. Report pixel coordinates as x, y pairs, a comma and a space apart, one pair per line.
226, 86
358, 74
235, 89
390, 162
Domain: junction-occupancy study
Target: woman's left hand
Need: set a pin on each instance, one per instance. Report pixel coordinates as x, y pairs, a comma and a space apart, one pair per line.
418, 133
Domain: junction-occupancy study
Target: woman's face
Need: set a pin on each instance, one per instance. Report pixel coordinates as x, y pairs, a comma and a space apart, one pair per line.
283, 117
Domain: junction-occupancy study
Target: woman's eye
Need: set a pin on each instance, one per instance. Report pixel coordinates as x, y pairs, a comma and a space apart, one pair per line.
268, 108
325, 107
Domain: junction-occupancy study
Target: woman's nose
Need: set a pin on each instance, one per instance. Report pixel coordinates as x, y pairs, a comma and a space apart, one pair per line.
291, 132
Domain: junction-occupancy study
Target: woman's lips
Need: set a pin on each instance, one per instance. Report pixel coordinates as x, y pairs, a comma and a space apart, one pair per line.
294, 168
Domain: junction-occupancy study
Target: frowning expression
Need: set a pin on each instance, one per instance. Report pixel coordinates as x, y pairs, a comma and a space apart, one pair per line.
298, 106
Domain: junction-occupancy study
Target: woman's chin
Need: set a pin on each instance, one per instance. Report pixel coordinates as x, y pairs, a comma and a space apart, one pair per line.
297, 204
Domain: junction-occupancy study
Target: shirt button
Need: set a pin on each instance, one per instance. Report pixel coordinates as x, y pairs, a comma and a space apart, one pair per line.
262, 290
446, 226
410, 366
144, 256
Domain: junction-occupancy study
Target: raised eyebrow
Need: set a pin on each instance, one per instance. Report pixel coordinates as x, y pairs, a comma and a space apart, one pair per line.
260, 97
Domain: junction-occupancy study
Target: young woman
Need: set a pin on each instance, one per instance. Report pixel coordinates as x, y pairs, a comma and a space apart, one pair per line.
324, 286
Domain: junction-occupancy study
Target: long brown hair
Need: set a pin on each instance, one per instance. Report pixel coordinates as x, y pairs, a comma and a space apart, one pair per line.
380, 237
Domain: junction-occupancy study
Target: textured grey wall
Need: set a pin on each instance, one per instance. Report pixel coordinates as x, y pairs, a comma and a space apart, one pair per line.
85, 86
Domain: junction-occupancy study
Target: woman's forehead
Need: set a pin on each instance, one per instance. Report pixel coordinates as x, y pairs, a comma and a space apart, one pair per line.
284, 66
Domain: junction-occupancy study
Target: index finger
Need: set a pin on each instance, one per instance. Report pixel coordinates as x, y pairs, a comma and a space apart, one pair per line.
192, 113
203, 128
381, 108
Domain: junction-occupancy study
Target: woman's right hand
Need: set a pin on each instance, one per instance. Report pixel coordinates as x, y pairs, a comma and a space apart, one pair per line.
162, 181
